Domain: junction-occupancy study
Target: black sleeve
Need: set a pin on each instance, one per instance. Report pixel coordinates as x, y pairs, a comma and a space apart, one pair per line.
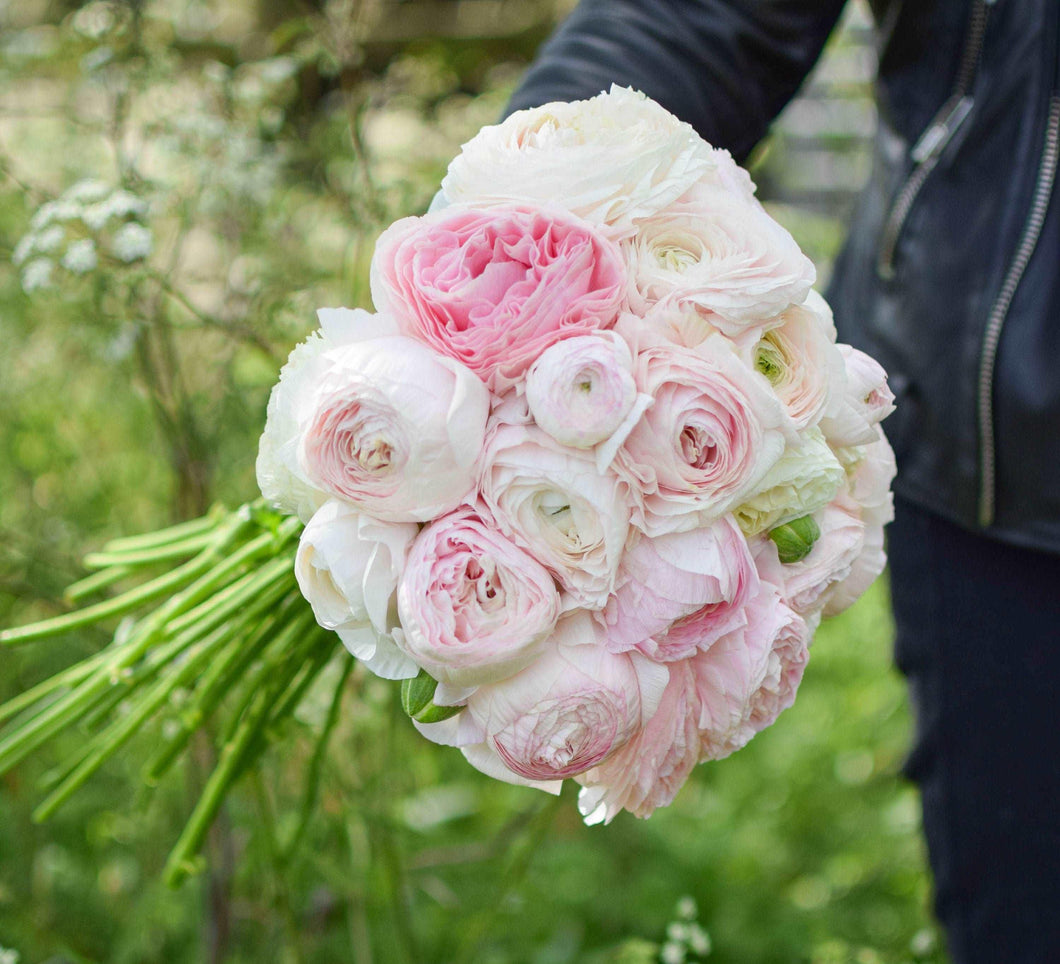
727, 67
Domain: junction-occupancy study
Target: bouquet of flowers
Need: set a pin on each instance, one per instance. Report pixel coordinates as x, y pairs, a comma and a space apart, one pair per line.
586, 481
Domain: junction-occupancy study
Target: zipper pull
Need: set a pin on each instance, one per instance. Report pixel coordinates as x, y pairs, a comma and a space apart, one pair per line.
938, 135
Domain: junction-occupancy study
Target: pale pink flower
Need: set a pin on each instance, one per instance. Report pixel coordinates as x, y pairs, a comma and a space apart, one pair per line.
799, 359
280, 477
677, 593
806, 583
581, 391
494, 288
474, 607
394, 429
718, 252
749, 676
570, 709
713, 432
648, 771
858, 402
554, 502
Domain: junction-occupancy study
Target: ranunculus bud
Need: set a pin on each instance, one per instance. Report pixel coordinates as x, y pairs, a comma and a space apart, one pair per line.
417, 700
795, 539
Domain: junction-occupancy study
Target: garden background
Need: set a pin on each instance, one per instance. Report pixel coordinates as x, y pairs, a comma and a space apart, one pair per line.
182, 184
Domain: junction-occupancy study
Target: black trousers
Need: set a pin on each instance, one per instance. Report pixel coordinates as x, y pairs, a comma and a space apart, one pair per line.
978, 636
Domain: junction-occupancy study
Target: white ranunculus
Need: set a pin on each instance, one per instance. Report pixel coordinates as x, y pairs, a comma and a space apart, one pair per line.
611, 159
805, 478
724, 255
349, 564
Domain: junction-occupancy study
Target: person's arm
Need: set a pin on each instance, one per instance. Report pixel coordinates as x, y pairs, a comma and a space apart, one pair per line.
727, 67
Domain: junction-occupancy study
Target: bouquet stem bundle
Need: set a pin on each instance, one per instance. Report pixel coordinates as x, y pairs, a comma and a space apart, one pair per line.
225, 625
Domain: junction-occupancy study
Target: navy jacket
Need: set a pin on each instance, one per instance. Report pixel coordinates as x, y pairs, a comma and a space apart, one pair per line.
951, 272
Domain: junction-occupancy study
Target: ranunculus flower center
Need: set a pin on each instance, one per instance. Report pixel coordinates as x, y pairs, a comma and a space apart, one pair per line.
698, 446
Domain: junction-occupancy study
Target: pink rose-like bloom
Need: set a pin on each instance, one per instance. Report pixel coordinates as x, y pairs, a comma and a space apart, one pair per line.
570, 709
800, 361
749, 676
649, 770
395, 429
712, 433
581, 391
494, 288
860, 401
554, 502
474, 607
679, 592
719, 252
806, 583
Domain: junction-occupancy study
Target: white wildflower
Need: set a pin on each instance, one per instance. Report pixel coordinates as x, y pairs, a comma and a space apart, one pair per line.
25, 247
80, 257
37, 274
672, 954
132, 242
87, 191
49, 239
62, 209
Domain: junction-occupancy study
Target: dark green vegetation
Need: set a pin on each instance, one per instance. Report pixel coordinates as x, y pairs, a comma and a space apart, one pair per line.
261, 148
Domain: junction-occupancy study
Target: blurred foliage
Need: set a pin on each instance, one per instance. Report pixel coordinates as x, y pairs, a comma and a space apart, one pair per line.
181, 184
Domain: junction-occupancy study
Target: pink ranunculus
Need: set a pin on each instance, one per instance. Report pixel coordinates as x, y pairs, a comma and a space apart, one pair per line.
712, 433
554, 502
861, 400
570, 709
394, 429
494, 288
649, 770
749, 676
864, 571
806, 583
581, 391
719, 252
678, 592
280, 476
474, 607
799, 359
870, 472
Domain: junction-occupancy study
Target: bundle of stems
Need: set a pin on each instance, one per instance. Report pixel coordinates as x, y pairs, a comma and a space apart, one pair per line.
222, 632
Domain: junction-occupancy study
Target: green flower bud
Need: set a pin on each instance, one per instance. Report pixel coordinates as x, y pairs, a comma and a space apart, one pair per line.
795, 539
417, 696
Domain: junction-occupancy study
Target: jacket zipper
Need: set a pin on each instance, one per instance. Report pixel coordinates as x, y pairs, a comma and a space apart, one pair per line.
992, 333
928, 149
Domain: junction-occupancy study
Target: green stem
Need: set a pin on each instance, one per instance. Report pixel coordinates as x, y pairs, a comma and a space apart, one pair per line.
234, 755
316, 763
149, 556
218, 682
176, 533
135, 598
94, 583
67, 677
